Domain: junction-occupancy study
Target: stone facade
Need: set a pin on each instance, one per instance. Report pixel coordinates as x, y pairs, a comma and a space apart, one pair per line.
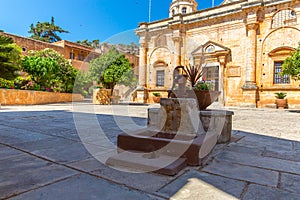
243, 44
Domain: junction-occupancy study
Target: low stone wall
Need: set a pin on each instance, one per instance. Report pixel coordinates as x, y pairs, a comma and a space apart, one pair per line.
267, 98
30, 97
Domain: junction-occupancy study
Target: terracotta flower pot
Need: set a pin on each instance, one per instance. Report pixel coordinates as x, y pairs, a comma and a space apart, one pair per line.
204, 97
156, 99
281, 103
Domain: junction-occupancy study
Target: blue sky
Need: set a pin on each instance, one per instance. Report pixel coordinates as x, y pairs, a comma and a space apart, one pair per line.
106, 20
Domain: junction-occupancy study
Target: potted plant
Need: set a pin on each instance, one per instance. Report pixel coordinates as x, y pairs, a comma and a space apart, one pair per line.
156, 97
203, 91
280, 101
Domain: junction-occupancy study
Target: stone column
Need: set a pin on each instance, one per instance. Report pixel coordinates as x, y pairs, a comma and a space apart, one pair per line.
222, 61
141, 90
250, 89
177, 50
250, 82
142, 65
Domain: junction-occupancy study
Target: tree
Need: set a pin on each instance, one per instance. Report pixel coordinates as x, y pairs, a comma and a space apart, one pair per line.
46, 31
49, 68
94, 43
10, 57
109, 68
291, 65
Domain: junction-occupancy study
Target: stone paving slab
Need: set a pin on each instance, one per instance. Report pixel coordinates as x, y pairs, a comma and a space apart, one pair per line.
243, 172
290, 182
22, 173
47, 143
270, 143
259, 161
235, 147
85, 187
284, 155
198, 185
16, 135
257, 192
7, 152
148, 182
48, 131
64, 153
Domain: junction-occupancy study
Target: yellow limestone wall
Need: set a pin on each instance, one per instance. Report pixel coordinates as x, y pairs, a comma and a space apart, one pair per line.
29, 97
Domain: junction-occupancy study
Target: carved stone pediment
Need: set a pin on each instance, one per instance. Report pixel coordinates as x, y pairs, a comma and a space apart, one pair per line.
210, 47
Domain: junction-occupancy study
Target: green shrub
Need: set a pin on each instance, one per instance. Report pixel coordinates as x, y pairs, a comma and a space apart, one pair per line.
6, 84
280, 95
156, 94
202, 85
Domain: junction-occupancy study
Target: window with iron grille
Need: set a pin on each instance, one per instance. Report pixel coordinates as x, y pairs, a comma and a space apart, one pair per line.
278, 79
160, 78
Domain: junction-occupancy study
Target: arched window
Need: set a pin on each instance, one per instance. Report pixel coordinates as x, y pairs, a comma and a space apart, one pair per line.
285, 17
183, 10
173, 12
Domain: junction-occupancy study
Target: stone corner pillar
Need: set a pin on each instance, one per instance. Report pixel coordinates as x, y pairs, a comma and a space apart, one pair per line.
141, 90
250, 89
177, 50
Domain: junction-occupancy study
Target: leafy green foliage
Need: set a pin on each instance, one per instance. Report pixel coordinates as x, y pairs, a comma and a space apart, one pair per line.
10, 57
6, 83
82, 84
156, 94
291, 65
110, 68
280, 95
202, 85
46, 31
194, 73
49, 69
94, 43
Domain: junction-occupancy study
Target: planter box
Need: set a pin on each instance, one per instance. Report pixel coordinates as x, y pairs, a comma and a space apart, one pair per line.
30, 97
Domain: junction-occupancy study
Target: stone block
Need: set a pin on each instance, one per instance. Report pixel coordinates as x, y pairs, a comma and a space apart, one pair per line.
290, 182
85, 187
199, 185
149, 182
178, 115
242, 172
24, 173
266, 193
219, 121
260, 161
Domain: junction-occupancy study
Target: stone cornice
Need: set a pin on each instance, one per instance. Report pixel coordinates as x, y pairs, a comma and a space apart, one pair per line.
208, 14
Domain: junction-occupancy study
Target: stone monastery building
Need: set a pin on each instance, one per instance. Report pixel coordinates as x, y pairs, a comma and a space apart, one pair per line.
244, 43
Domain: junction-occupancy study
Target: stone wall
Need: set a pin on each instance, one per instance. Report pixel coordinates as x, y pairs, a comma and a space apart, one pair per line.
28, 44
29, 97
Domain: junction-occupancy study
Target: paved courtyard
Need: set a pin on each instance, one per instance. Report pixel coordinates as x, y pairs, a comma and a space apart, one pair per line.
42, 157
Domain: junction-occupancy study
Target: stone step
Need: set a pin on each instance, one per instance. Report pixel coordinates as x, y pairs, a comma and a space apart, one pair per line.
140, 162
147, 142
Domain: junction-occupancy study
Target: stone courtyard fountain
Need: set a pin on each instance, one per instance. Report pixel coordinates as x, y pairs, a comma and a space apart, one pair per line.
178, 134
